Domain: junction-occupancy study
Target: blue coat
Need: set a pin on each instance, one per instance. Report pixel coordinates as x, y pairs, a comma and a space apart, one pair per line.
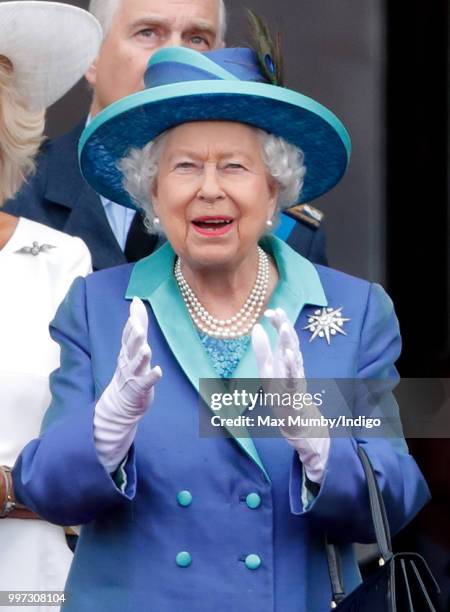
58, 196
128, 555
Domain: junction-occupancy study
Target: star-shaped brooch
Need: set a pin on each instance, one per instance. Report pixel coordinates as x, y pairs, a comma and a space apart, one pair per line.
326, 323
35, 249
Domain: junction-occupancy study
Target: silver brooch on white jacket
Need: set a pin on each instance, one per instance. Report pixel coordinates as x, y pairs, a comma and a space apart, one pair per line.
35, 249
326, 323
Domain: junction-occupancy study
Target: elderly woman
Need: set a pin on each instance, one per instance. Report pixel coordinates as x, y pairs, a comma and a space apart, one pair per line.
173, 520
44, 49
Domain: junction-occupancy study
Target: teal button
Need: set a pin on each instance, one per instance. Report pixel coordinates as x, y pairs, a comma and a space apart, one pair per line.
253, 500
184, 559
184, 498
252, 561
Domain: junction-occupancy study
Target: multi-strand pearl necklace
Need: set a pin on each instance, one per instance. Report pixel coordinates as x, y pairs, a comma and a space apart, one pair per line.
243, 321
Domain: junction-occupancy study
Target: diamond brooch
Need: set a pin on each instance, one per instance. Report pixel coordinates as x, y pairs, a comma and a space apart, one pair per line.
35, 249
326, 323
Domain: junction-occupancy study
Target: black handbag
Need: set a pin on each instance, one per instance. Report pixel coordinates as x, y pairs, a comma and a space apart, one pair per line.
402, 583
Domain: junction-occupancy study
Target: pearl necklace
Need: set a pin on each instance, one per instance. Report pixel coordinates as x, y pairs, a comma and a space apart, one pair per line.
243, 321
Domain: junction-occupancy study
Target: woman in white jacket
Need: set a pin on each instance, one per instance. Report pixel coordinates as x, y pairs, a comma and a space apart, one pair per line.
45, 47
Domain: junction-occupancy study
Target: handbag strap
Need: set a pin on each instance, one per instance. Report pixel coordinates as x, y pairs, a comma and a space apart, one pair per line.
335, 571
381, 527
378, 509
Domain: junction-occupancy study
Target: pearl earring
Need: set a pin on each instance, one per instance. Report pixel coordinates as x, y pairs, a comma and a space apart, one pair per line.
156, 222
269, 223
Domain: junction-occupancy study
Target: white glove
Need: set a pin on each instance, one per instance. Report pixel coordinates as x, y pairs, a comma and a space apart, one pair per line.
287, 363
129, 394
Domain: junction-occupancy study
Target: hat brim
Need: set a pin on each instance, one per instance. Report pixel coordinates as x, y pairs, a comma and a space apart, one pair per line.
134, 121
50, 45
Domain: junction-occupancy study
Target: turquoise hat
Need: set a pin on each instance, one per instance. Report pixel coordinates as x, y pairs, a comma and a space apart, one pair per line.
182, 85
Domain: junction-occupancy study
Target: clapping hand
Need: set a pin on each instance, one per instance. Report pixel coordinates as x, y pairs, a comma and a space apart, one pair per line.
286, 365
134, 378
129, 394
287, 362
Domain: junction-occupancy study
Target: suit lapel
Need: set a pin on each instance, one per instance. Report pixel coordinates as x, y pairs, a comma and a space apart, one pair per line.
88, 221
152, 280
298, 285
86, 216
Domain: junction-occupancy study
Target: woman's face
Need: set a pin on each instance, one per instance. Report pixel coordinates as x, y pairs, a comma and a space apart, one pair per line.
212, 192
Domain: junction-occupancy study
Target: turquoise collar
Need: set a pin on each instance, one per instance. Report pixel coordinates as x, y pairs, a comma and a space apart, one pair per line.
298, 276
152, 280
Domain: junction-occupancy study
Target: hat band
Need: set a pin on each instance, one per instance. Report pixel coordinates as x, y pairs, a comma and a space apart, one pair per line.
181, 65
168, 73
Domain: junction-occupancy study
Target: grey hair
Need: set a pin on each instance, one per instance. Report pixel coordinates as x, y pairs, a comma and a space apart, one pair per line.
222, 21
105, 10
284, 163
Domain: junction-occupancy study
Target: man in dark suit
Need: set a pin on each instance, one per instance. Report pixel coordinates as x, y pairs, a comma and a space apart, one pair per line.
57, 194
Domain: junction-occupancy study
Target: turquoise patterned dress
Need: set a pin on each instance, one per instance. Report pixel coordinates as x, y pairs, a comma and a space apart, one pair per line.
224, 353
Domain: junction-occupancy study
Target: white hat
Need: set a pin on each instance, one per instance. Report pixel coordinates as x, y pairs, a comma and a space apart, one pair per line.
51, 45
